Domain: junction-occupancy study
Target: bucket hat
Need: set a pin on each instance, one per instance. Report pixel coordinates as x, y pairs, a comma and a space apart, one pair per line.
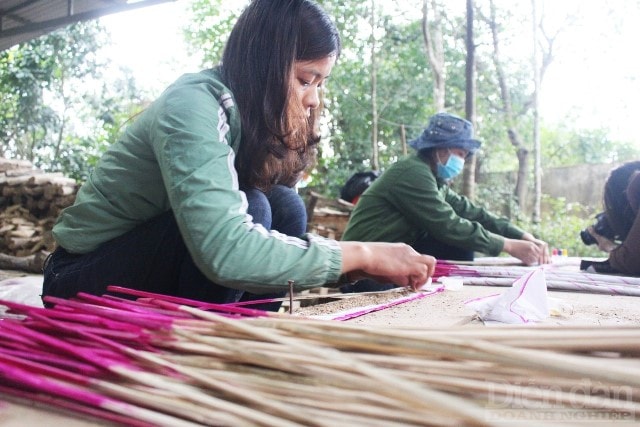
447, 131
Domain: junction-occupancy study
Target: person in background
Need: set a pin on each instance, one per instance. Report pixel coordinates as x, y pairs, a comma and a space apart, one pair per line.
412, 202
356, 184
621, 203
196, 199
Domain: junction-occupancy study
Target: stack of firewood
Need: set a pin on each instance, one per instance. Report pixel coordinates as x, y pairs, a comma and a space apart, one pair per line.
327, 217
30, 202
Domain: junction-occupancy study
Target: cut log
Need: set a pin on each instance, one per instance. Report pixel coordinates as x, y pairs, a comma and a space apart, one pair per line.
30, 264
30, 202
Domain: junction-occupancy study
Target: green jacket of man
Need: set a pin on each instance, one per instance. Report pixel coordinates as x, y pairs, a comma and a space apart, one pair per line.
408, 203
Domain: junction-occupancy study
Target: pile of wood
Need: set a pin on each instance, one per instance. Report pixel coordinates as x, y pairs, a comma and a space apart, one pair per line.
327, 217
30, 202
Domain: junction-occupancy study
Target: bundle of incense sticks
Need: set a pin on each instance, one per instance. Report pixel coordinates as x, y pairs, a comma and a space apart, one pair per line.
555, 278
159, 360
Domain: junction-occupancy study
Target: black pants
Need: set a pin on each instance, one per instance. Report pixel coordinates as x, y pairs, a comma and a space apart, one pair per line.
441, 250
153, 257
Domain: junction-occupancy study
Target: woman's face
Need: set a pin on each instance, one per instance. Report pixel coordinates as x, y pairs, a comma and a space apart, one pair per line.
308, 80
444, 153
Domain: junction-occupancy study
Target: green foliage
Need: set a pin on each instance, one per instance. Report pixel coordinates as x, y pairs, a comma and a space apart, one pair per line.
560, 224
404, 91
80, 153
59, 110
35, 79
405, 88
209, 28
560, 227
565, 145
496, 195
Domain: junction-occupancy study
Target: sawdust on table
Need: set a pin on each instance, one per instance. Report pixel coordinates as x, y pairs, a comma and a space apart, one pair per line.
335, 303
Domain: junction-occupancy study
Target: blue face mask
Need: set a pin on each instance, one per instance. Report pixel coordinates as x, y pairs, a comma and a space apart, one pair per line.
452, 168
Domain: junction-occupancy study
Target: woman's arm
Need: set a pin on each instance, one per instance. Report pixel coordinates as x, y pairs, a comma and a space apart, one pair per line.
387, 262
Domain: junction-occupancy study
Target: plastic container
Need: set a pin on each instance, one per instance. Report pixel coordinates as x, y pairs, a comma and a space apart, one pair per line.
451, 283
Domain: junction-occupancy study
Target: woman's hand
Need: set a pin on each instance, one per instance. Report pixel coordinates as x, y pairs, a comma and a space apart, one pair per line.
530, 251
544, 256
387, 262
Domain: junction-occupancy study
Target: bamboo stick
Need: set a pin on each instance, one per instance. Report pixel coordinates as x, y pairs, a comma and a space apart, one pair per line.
170, 361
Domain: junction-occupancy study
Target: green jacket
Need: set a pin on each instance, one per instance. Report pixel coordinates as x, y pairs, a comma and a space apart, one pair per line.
408, 203
179, 155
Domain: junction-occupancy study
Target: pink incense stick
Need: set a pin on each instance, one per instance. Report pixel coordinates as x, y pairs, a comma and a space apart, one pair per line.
223, 308
52, 360
74, 407
25, 379
145, 320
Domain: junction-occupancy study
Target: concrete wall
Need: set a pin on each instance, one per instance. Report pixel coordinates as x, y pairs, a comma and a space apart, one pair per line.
581, 184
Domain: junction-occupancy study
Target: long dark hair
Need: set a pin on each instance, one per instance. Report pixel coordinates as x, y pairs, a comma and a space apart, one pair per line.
619, 212
257, 63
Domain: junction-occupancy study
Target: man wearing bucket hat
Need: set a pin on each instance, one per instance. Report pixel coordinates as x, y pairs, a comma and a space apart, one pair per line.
411, 202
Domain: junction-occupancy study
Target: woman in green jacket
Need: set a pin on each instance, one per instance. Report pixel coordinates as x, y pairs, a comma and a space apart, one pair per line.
412, 202
196, 199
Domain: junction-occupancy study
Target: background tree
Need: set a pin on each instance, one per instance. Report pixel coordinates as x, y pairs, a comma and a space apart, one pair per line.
522, 152
537, 181
405, 85
209, 26
566, 145
404, 88
35, 81
403, 97
58, 111
434, 46
519, 101
375, 165
468, 178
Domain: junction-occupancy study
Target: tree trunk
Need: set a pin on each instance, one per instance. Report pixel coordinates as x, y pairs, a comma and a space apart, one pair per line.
536, 118
522, 153
469, 176
543, 56
432, 34
374, 99
30, 264
520, 190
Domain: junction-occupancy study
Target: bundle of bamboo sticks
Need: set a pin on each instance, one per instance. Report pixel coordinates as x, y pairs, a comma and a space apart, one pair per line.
556, 278
160, 361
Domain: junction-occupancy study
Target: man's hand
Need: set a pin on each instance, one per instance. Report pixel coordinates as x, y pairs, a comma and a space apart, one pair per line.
604, 244
527, 252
